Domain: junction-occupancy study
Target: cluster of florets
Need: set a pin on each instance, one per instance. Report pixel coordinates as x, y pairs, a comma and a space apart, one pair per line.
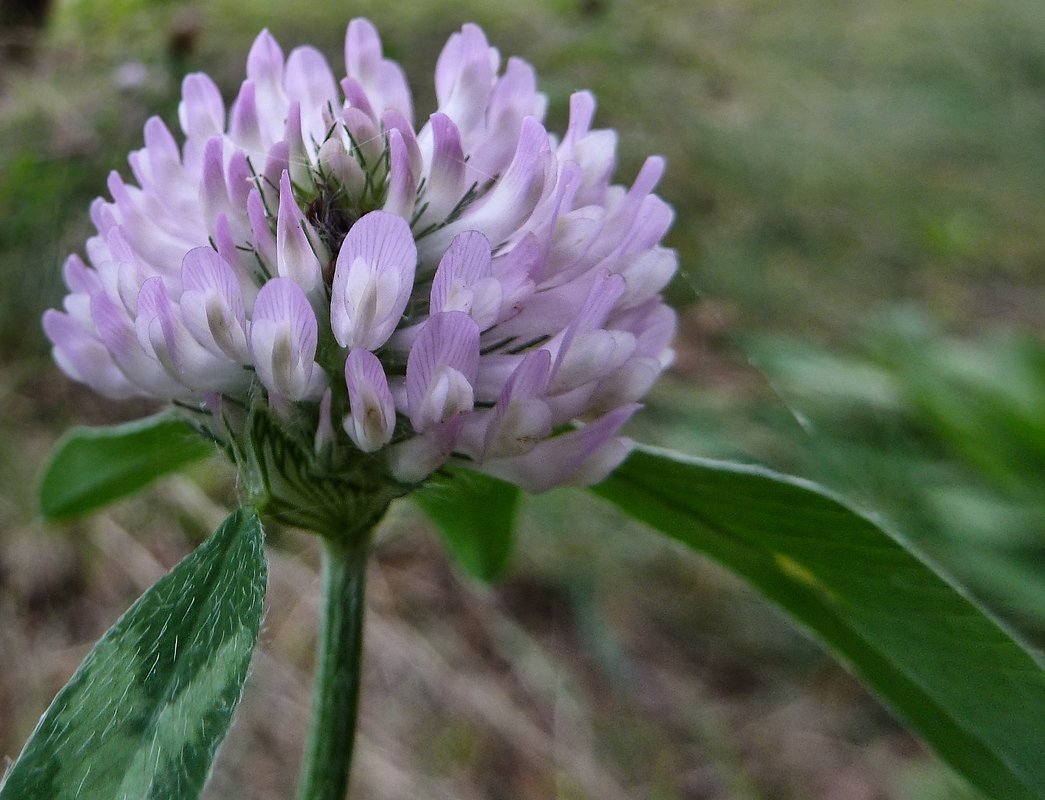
474, 290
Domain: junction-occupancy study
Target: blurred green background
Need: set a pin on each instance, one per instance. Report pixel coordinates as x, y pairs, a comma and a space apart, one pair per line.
861, 226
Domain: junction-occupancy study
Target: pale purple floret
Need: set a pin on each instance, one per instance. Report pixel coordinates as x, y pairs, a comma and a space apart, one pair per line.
373, 279
381, 79
464, 281
372, 418
162, 331
464, 78
310, 83
265, 72
512, 199
212, 305
479, 289
521, 418
579, 457
441, 370
393, 119
85, 358
140, 364
445, 181
402, 184
295, 258
283, 341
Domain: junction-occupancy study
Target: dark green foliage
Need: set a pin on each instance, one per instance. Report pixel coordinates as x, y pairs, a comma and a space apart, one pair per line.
475, 515
945, 437
957, 678
94, 466
145, 712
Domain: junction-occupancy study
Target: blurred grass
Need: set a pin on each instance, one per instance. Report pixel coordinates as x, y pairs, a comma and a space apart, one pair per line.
828, 160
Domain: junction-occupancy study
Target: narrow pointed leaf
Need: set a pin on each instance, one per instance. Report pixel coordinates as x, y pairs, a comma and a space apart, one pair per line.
955, 675
475, 515
91, 467
145, 712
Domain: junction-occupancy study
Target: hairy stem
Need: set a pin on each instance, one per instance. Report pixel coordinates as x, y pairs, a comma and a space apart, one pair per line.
335, 695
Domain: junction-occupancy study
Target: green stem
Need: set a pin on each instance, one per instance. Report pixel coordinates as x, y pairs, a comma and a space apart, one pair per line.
335, 695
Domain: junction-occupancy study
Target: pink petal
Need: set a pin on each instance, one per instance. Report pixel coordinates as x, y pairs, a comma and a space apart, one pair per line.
464, 281
402, 186
78, 277
373, 279
582, 112
244, 124
283, 338
225, 243
201, 110
212, 305
418, 457
441, 369
240, 182
139, 367
512, 199
604, 294
371, 422
214, 193
467, 260
464, 75
382, 79
369, 144
84, 358
264, 241
265, 69
310, 82
646, 273
325, 426
298, 153
265, 60
356, 96
362, 50
596, 154
445, 184
276, 163
580, 456
335, 161
394, 119
514, 98
294, 256
626, 385
167, 174
160, 328
521, 419
152, 242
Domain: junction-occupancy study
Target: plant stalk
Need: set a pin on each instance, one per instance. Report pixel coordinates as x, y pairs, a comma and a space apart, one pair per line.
335, 694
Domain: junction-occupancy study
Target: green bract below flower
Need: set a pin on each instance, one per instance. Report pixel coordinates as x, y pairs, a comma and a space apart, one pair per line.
347, 303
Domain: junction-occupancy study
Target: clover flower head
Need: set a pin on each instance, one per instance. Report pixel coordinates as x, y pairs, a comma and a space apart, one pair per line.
474, 290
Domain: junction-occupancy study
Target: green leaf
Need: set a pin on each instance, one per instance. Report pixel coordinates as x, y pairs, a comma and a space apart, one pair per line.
94, 466
145, 712
475, 514
954, 674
